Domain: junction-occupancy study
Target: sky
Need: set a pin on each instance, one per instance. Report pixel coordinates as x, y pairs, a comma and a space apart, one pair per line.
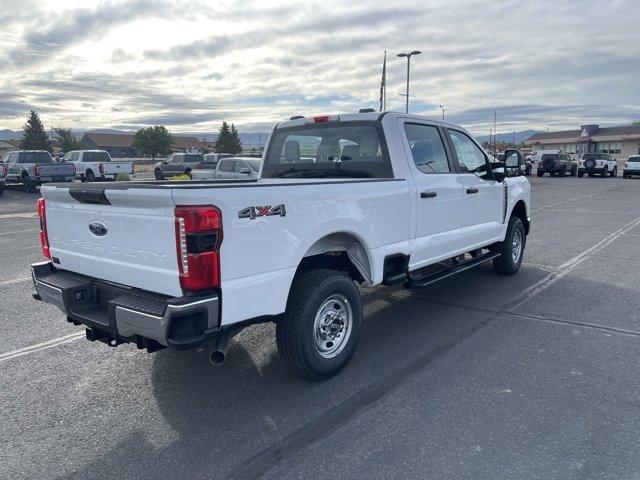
191, 64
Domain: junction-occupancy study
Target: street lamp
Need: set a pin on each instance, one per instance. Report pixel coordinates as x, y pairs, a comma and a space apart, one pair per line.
408, 55
442, 107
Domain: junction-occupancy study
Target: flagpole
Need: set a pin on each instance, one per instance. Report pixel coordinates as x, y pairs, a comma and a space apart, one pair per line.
385, 82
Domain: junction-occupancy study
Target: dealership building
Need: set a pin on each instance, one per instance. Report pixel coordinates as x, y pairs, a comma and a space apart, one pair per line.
618, 141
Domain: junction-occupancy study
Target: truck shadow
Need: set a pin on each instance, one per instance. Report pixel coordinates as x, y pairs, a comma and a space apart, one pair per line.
220, 416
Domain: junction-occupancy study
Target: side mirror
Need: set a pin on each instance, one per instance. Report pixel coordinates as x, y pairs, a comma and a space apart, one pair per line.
513, 162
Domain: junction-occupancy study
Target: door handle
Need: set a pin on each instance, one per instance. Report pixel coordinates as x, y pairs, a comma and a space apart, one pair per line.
428, 194
472, 190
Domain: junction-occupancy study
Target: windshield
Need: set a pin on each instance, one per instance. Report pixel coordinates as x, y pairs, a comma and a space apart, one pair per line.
549, 155
96, 157
328, 150
634, 159
589, 156
35, 157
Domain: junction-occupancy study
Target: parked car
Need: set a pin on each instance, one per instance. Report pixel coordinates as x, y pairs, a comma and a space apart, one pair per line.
183, 265
3, 174
32, 168
631, 167
178, 164
230, 167
597, 163
556, 164
92, 165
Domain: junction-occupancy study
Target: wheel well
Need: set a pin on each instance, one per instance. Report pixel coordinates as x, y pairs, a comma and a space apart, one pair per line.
520, 211
338, 251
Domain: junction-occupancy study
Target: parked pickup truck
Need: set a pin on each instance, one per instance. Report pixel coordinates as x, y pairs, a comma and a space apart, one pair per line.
232, 167
32, 168
385, 198
631, 166
3, 174
96, 164
177, 164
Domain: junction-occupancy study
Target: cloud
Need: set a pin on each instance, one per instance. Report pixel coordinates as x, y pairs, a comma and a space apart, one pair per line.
191, 63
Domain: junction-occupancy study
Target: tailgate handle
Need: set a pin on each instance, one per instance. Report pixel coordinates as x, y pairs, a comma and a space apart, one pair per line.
472, 190
90, 196
428, 194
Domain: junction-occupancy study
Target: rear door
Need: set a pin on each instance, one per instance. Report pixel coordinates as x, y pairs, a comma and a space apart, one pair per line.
226, 168
138, 248
438, 199
483, 204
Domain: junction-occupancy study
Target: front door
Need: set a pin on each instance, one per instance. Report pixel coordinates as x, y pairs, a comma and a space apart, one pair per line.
483, 209
438, 198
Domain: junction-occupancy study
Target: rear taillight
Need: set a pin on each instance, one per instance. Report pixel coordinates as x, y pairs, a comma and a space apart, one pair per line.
44, 239
36, 170
198, 239
5, 170
200, 165
133, 169
101, 169
73, 169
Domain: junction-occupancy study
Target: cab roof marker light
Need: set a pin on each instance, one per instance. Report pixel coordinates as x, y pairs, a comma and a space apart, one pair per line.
326, 118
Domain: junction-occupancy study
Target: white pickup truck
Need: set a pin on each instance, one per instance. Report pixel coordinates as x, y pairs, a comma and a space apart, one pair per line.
92, 165
371, 198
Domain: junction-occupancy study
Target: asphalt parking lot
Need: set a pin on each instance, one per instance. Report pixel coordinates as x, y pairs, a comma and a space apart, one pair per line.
479, 376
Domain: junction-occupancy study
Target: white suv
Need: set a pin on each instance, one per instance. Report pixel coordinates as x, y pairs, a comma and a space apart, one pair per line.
631, 166
600, 163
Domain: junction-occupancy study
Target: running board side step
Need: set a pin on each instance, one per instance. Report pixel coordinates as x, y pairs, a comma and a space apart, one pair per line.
448, 272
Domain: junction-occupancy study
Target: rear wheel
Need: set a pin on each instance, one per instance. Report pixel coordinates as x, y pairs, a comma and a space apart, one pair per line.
574, 170
28, 185
591, 174
321, 325
605, 172
624, 175
1, 188
580, 174
614, 172
540, 173
90, 176
512, 249
158, 174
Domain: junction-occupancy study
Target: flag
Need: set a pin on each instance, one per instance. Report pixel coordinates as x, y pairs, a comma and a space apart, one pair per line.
383, 82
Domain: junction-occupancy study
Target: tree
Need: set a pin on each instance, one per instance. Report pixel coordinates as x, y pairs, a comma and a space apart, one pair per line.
235, 139
34, 137
153, 141
66, 140
228, 140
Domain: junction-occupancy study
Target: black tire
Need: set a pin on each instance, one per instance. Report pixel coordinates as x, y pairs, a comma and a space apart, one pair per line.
580, 174
605, 172
1, 188
624, 175
552, 174
574, 170
591, 174
614, 172
505, 264
562, 172
90, 177
158, 174
27, 185
539, 172
295, 331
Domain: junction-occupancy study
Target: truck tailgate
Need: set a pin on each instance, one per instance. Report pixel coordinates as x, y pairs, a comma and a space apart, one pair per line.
56, 171
113, 168
138, 248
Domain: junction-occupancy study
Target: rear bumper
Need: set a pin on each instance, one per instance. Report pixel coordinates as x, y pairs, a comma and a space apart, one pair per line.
118, 314
62, 178
631, 172
591, 170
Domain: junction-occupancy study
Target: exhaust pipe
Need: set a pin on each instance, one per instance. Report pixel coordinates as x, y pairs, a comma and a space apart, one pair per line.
219, 353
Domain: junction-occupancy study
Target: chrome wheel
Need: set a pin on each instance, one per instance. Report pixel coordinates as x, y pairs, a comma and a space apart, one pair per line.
516, 246
332, 326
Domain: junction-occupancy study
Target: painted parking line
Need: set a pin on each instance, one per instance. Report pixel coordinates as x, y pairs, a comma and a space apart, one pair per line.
15, 280
19, 215
41, 346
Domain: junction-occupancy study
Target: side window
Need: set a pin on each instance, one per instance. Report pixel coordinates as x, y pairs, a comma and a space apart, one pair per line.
227, 165
241, 166
470, 157
75, 156
427, 148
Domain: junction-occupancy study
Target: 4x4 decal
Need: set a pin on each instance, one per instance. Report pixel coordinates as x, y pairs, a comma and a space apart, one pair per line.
262, 211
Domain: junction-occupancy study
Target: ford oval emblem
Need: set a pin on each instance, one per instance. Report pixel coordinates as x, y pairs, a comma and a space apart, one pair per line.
98, 228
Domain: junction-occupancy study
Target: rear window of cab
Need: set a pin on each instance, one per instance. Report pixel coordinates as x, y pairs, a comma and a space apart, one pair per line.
328, 150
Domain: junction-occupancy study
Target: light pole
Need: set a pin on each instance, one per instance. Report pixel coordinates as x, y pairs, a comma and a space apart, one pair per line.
442, 107
408, 55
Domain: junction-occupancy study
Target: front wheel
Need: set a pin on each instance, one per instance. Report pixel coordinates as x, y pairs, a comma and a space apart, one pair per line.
321, 325
614, 172
605, 172
581, 174
511, 250
574, 171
